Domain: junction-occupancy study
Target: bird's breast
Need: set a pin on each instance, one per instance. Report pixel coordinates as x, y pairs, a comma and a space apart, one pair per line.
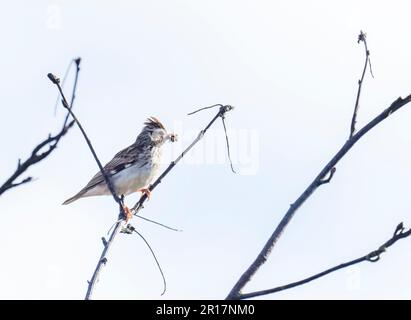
132, 179
139, 175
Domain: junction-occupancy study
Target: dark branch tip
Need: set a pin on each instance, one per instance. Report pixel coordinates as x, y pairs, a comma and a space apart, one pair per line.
399, 229
224, 109
361, 36
53, 78
327, 180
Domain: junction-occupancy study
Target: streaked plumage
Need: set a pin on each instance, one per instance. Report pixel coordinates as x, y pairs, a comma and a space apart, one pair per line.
134, 167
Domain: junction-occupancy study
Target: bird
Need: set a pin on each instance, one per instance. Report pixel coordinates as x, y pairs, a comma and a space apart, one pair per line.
133, 168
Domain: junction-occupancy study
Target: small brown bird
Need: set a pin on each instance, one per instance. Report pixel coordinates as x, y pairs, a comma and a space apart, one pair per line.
133, 168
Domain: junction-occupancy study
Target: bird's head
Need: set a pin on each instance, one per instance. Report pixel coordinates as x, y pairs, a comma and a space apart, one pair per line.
157, 131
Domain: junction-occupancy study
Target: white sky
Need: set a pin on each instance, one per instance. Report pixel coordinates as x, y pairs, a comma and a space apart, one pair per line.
289, 67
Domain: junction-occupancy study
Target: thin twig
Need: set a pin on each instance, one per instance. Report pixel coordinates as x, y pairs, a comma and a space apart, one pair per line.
228, 144
51, 142
361, 38
265, 252
373, 256
201, 109
158, 223
62, 85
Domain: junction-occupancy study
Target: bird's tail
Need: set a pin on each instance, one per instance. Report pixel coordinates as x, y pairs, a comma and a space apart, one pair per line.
74, 198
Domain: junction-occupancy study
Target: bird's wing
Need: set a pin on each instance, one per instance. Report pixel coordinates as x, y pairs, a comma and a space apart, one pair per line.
123, 159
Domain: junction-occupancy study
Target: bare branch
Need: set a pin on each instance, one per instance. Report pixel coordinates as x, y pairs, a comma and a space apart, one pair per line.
373, 256
130, 229
265, 252
51, 144
107, 244
103, 259
361, 38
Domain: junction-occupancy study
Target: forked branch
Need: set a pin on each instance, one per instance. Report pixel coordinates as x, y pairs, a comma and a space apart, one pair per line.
49, 144
319, 180
373, 256
235, 292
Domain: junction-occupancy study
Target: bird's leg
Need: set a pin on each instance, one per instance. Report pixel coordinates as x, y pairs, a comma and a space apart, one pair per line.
145, 191
127, 212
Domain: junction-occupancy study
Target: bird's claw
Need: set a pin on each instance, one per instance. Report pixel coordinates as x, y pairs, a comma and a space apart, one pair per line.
128, 213
145, 191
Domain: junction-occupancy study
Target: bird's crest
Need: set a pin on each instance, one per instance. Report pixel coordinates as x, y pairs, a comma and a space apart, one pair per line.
153, 123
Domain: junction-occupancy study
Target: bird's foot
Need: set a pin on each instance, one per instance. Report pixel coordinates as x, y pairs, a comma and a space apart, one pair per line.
127, 212
145, 191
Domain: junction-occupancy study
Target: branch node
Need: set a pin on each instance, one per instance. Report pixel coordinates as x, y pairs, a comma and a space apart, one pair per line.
327, 180
399, 230
104, 241
373, 256
382, 249
127, 229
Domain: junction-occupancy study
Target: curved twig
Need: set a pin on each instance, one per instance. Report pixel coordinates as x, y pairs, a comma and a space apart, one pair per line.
227, 144
130, 229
